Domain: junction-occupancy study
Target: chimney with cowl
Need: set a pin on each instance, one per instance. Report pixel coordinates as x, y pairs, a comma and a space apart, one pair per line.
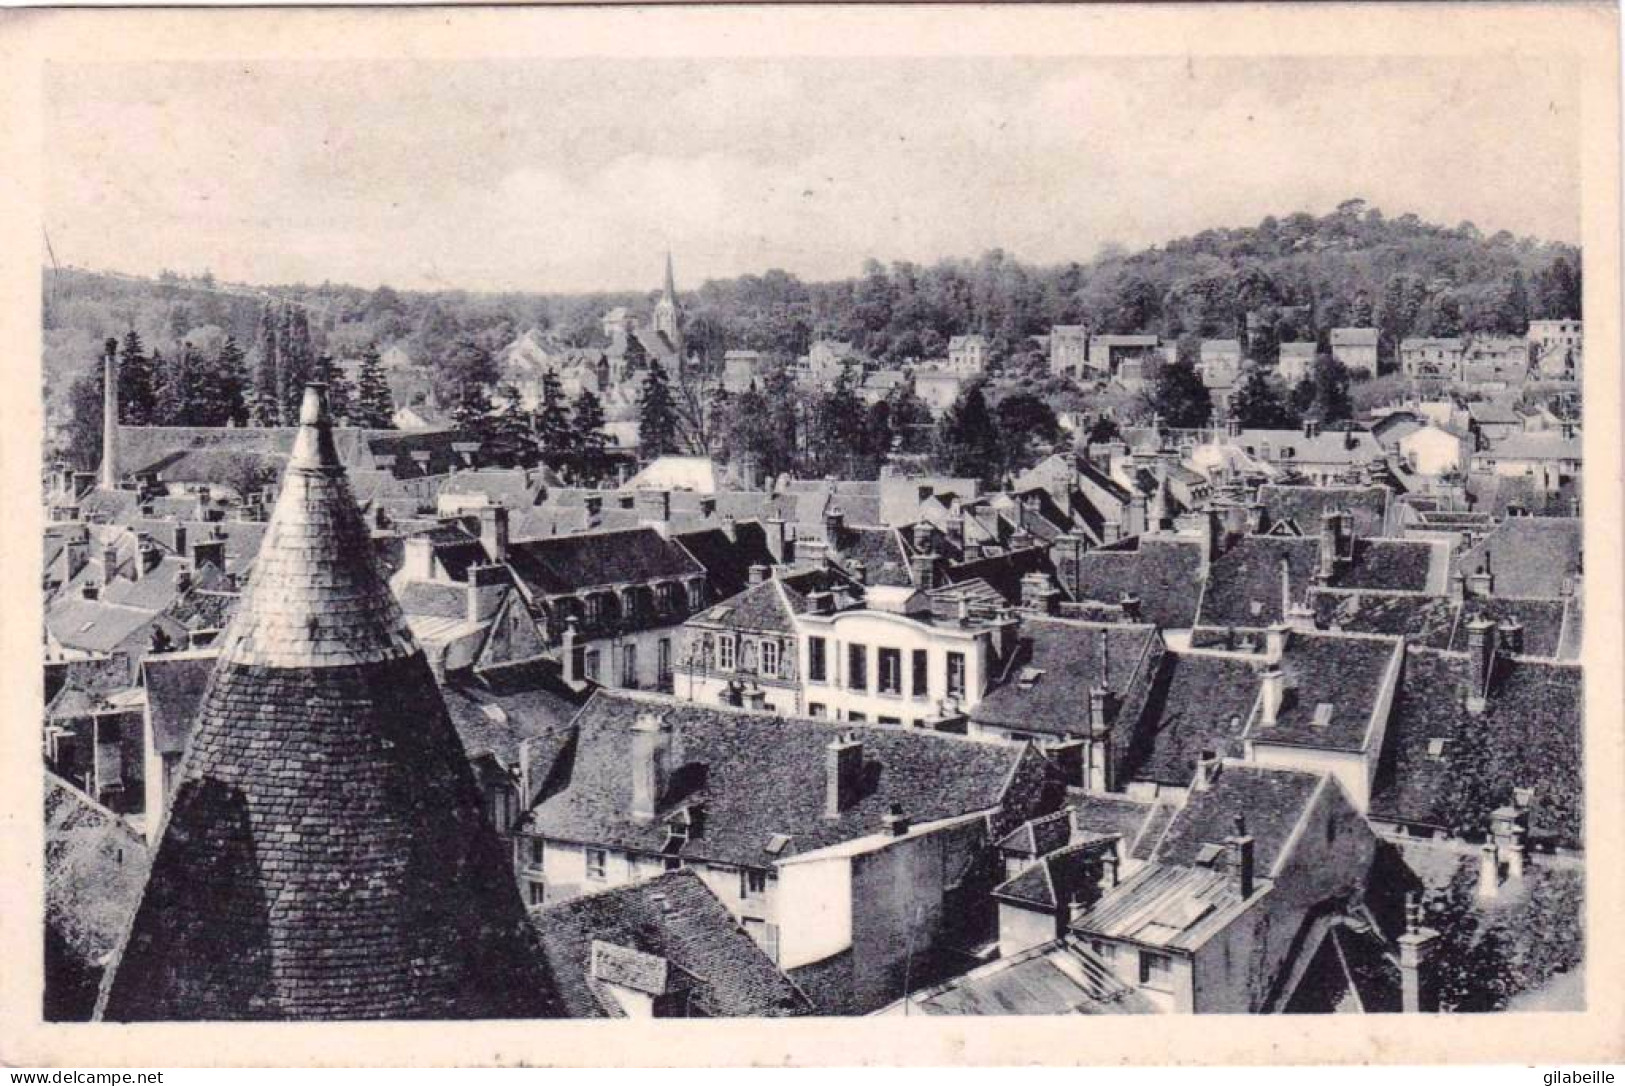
843, 774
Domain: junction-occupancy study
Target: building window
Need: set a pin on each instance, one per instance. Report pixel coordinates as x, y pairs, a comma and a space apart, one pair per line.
956, 674
597, 862
1156, 971
664, 657
536, 859
815, 709
589, 664
538, 893
921, 676
892, 720
770, 658
725, 653
817, 662
629, 666
891, 671
752, 883
747, 654
857, 717
857, 667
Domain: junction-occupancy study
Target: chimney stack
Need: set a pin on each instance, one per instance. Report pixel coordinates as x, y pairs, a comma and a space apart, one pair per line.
1039, 594
1415, 948
1207, 771
1512, 636
1481, 657
654, 509
570, 653
110, 469
651, 764
109, 564
730, 528
1239, 850
758, 573
494, 532
1271, 693
779, 544
1130, 606
1481, 582
834, 521
843, 773
895, 823
1276, 638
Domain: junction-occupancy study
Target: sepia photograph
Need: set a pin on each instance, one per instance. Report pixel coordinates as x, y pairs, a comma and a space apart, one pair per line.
929, 534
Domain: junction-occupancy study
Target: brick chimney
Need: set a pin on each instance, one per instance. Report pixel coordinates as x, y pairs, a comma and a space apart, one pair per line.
779, 543
1039, 594
1481, 660
834, 521
843, 774
494, 532
758, 573
487, 583
110, 467
1271, 694
651, 764
922, 535
923, 570
1238, 849
570, 653
1276, 639
1481, 582
109, 564
1207, 771
1130, 606
895, 823
730, 528
1136, 514
1415, 950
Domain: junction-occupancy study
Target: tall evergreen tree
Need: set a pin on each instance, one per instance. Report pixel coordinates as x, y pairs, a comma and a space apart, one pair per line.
505, 432
375, 405
178, 391
1257, 405
267, 349
1180, 397
835, 444
968, 440
657, 416
340, 389
1332, 400
590, 464
1512, 315
555, 436
137, 383
297, 363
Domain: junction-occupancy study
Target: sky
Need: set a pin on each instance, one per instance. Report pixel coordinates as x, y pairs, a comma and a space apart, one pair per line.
577, 175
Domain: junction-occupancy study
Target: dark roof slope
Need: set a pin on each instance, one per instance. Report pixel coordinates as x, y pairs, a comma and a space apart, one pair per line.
727, 560
175, 683
1196, 703
676, 918
1529, 557
1046, 681
1530, 736
760, 776
574, 562
1304, 506
1165, 573
1344, 672
1273, 802
1244, 584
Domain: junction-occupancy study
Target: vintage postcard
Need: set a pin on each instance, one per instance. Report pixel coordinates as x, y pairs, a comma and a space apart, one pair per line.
983, 535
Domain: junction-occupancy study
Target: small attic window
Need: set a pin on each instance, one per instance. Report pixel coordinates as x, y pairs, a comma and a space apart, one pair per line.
1029, 676
1436, 748
1323, 714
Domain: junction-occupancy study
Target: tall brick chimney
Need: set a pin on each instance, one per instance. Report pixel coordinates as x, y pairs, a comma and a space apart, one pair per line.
110, 416
1415, 948
651, 768
1239, 853
494, 532
843, 773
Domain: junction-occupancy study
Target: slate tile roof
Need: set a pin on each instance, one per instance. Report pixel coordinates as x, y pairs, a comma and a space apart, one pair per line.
759, 607
1037, 836
94, 626
324, 824
1001, 572
1344, 672
879, 550
95, 864
94, 675
677, 920
1165, 573
1055, 878
727, 561
204, 610
1046, 681
1273, 802
1244, 584
1051, 979
1096, 813
496, 709
761, 775
434, 599
1304, 506
1392, 565
1543, 624
1530, 736
1196, 703
1529, 557
1421, 620
1351, 973
175, 682
571, 563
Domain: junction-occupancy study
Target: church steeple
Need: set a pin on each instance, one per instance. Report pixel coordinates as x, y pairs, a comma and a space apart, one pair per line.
667, 316
325, 854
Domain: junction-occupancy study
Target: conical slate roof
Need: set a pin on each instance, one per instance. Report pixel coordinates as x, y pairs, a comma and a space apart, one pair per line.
325, 854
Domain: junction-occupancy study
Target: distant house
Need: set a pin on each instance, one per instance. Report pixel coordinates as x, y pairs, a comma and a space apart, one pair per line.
1356, 348
1556, 348
741, 370
1068, 349
1548, 455
968, 354
1435, 358
1495, 362
938, 389
1432, 450
1297, 361
1108, 352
